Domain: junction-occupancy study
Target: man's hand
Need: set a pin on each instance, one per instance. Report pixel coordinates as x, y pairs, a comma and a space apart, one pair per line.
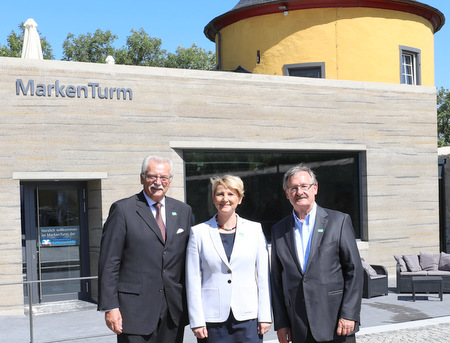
263, 328
284, 335
113, 321
200, 332
345, 326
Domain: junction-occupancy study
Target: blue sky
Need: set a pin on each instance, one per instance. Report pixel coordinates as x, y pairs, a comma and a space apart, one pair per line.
174, 22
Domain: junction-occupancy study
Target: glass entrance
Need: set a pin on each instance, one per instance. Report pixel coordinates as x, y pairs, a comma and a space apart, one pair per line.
55, 232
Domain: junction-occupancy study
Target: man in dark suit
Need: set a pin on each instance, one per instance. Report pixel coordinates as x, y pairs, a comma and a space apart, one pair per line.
142, 261
316, 273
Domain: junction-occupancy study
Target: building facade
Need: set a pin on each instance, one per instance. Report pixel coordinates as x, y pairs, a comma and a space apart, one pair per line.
387, 41
73, 136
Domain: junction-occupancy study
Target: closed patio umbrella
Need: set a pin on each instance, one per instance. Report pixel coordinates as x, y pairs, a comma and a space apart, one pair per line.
31, 41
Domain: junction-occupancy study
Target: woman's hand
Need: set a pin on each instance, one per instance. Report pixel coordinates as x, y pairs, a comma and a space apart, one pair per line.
263, 328
200, 332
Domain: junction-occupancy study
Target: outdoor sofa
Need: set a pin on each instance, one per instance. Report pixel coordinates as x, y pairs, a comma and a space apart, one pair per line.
422, 265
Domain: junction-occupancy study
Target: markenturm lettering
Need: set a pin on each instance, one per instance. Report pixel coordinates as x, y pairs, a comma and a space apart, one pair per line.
92, 90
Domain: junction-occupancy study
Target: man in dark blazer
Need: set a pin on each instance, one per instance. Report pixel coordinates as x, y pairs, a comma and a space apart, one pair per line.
316, 274
142, 263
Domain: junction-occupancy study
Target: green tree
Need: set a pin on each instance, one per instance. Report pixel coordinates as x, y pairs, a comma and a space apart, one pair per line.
191, 58
15, 44
443, 116
141, 50
89, 47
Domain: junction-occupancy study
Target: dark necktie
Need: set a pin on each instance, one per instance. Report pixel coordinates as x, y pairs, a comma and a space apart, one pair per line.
159, 220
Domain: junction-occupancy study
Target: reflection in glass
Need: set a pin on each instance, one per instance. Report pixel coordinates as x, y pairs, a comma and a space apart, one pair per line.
337, 172
58, 240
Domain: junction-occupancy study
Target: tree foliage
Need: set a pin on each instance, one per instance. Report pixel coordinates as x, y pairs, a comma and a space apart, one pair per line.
14, 45
443, 116
89, 47
141, 50
192, 58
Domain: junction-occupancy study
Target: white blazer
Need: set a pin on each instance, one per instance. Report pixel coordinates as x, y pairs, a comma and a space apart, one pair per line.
214, 285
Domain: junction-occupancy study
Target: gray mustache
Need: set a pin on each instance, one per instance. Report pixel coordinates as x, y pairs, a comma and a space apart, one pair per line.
157, 187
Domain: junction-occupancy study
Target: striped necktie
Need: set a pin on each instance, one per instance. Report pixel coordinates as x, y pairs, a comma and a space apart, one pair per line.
159, 220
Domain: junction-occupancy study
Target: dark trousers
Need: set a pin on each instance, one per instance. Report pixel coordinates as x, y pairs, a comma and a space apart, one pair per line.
233, 331
342, 339
166, 331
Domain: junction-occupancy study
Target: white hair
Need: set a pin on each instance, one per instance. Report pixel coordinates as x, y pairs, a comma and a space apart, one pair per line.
158, 159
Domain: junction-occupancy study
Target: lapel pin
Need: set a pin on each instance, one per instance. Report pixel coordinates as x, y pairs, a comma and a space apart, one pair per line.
320, 230
174, 213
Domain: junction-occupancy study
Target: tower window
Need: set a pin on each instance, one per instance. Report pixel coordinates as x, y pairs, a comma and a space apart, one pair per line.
410, 66
314, 70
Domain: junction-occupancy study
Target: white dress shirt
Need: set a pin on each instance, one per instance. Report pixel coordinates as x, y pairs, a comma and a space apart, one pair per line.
153, 208
303, 233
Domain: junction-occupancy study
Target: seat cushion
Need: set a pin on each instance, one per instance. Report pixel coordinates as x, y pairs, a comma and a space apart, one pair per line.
412, 262
368, 267
401, 262
421, 273
429, 261
444, 262
438, 273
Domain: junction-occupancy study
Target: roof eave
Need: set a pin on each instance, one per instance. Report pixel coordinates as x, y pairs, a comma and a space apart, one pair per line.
433, 15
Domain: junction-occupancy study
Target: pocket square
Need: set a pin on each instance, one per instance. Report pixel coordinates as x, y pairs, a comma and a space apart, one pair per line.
180, 230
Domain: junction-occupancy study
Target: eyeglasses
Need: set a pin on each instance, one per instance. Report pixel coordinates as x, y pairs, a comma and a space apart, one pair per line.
304, 188
153, 178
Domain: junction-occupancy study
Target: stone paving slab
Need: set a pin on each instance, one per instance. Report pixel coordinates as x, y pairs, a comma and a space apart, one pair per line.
439, 333
393, 318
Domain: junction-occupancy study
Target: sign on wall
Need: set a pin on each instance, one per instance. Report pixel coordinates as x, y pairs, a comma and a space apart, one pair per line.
59, 235
92, 90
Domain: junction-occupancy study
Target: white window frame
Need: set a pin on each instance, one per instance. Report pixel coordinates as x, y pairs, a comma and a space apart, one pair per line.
410, 65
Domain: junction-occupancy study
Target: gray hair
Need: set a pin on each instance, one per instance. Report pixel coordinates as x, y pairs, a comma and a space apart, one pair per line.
296, 169
158, 159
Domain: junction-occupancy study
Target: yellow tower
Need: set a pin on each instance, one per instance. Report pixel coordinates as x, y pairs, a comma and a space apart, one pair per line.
387, 41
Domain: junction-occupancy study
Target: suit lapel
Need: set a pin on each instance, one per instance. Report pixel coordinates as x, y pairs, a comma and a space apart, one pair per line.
217, 241
171, 220
239, 240
318, 231
144, 211
289, 239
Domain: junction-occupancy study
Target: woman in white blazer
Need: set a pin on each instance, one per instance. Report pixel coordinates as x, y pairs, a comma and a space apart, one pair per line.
227, 272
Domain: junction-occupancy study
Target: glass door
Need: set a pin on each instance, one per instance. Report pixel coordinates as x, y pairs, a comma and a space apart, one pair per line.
56, 242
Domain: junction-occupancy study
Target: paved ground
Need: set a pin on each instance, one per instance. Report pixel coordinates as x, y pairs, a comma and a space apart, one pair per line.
396, 318
430, 331
393, 318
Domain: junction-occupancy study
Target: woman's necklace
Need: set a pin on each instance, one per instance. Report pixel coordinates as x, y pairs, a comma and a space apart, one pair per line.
223, 227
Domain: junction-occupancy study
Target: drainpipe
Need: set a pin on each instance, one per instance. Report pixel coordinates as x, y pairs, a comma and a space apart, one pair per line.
219, 48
